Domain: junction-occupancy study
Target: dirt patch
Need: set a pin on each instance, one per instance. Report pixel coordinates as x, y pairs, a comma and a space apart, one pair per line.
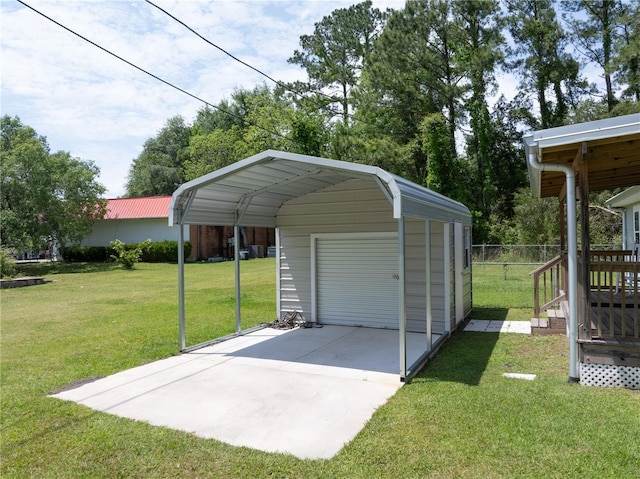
21, 282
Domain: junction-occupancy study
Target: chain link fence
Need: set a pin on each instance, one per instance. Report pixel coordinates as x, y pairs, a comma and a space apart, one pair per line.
521, 254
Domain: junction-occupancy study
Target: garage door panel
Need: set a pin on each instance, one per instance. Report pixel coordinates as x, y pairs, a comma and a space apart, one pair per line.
355, 281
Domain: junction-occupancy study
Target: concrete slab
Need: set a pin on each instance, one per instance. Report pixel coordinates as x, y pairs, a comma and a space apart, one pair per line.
305, 392
493, 326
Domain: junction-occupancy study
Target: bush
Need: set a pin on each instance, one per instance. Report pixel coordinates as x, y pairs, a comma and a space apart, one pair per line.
87, 254
164, 252
7, 264
160, 252
128, 255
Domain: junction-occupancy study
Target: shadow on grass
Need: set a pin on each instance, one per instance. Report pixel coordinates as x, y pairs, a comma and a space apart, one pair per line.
465, 356
494, 314
43, 269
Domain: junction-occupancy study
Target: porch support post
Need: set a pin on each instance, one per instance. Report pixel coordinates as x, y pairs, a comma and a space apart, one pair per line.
236, 255
181, 322
563, 238
402, 313
563, 226
585, 280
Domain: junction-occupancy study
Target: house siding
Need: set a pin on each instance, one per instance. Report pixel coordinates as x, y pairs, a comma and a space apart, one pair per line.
132, 231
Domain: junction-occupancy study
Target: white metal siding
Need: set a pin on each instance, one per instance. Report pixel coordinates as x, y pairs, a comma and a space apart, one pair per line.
438, 276
459, 272
467, 279
355, 206
415, 274
356, 280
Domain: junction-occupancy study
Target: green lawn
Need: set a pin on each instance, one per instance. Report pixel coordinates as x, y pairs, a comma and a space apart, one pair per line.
459, 418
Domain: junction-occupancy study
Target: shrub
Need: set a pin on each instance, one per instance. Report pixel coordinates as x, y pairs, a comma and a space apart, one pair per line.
128, 255
77, 254
160, 252
7, 263
164, 252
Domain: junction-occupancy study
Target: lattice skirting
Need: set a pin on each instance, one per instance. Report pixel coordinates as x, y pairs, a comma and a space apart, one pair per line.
607, 375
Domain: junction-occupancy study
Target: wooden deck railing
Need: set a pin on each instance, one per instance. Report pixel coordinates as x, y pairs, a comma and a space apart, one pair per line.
547, 284
613, 309
609, 306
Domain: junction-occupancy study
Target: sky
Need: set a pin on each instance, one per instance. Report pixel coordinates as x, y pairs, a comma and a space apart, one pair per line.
98, 108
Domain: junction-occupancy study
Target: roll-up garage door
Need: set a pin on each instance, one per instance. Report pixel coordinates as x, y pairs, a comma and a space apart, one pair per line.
356, 280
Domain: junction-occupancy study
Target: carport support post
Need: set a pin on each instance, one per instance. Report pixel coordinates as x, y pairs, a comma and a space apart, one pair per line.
183, 338
427, 240
401, 301
236, 255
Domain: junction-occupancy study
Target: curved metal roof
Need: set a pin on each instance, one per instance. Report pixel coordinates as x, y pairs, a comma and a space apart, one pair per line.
250, 192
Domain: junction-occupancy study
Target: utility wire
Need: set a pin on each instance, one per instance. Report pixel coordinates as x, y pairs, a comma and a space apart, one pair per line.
216, 46
277, 82
233, 115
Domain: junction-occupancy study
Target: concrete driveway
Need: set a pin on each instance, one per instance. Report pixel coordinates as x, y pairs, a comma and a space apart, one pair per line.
305, 392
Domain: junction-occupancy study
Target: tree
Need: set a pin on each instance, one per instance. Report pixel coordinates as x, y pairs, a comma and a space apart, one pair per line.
627, 50
480, 26
546, 69
159, 168
261, 119
415, 71
44, 196
443, 170
594, 35
337, 52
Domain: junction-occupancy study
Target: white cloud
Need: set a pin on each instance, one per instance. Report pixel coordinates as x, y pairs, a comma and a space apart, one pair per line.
98, 108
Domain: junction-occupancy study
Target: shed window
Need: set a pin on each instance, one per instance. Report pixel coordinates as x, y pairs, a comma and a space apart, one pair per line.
467, 247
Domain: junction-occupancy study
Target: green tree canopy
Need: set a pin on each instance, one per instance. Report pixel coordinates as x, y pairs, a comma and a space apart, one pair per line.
159, 168
336, 53
44, 195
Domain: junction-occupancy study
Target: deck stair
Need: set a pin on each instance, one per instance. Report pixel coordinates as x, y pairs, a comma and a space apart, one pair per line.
554, 323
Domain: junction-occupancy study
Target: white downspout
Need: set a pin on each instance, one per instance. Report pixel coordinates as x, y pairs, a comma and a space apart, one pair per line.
572, 258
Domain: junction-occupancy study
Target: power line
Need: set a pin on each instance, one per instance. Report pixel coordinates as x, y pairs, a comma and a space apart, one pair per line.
277, 82
233, 115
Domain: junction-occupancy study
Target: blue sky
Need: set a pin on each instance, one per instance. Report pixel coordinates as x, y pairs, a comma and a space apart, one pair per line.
98, 108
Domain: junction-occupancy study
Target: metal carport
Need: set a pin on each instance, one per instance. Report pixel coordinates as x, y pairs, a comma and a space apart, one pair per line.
251, 192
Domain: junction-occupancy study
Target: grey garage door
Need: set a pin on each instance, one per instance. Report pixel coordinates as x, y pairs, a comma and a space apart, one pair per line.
356, 280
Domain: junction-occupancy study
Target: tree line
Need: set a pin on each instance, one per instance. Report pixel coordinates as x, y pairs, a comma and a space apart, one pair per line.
414, 91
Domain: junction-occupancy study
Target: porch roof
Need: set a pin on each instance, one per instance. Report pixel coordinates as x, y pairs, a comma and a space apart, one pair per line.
250, 192
628, 197
612, 154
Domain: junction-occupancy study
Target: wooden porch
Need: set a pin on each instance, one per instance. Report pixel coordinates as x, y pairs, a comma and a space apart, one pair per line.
608, 305
569, 163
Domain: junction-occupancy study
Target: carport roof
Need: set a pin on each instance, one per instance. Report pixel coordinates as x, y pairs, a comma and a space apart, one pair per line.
250, 192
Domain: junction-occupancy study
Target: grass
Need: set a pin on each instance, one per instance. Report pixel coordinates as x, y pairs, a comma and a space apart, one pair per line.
503, 292
459, 418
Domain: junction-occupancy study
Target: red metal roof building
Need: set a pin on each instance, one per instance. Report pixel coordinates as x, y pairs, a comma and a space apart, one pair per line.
138, 208
133, 220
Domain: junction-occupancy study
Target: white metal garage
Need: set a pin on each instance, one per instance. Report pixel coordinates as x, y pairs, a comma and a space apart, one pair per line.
356, 245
